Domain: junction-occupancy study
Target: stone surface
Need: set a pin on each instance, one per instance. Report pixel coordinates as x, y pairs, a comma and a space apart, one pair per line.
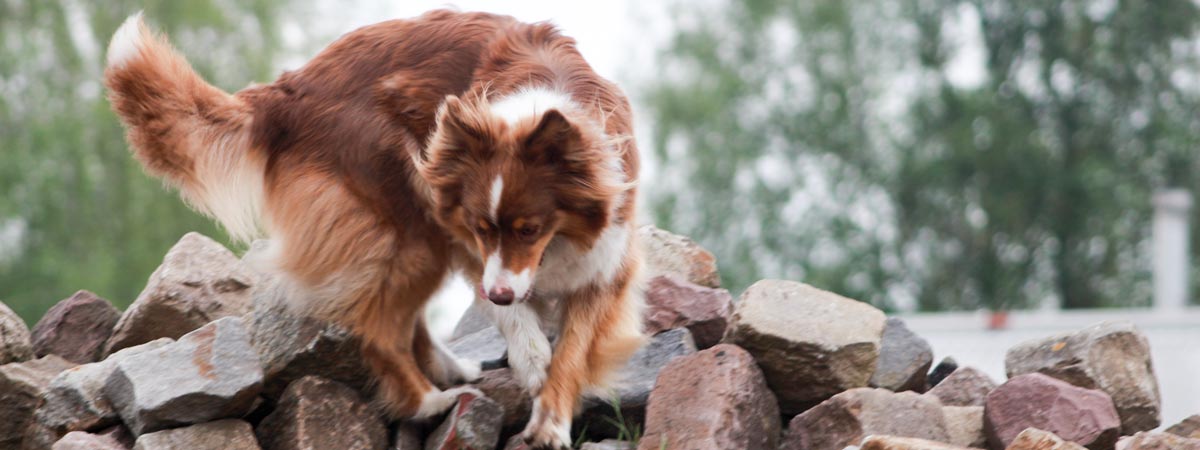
406, 437
634, 383
810, 343
210, 373
473, 424
885, 442
672, 302
75, 400
1157, 441
316, 413
848, 417
228, 434
500, 386
669, 253
964, 424
199, 281
291, 346
472, 320
1035, 400
486, 346
1188, 427
608, 444
15, 343
76, 328
21, 387
1035, 439
79, 440
1112, 356
942, 370
967, 386
716, 398
904, 359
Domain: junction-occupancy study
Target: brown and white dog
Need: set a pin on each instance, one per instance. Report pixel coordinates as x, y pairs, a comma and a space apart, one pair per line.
402, 152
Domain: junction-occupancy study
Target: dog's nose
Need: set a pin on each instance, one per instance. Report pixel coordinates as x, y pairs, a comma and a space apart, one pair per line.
501, 295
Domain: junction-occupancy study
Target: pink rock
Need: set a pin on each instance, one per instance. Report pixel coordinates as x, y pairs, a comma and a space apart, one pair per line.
76, 328
673, 302
966, 386
1075, 414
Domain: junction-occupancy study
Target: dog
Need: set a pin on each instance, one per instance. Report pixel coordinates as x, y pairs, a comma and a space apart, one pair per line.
364, 166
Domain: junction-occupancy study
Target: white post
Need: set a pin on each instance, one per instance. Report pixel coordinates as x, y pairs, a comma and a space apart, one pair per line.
1171, 255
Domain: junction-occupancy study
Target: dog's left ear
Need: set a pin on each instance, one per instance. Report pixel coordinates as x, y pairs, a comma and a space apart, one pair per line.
552, 139
458, 130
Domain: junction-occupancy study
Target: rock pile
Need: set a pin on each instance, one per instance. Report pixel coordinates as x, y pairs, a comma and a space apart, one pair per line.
208, 357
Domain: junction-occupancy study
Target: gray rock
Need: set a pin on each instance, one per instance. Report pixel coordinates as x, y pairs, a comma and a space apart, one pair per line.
15, 343
79, 440
228, 434
810, 343
211, 373
21, 387
1188, 427
473, 424
633, 384
672, 302
199, 281
486, 346
964, 424
1113, 357
76, 328
942, 370
500, 386
967, 386
848, 417
472, 320
75, 400
406, 437
904, 359
669, 253
316, 414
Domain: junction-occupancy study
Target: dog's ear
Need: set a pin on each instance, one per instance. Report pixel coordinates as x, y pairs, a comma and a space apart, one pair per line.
459, 130
552, 138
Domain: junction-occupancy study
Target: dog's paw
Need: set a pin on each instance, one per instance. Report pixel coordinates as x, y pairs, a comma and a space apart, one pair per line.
546, 430
530, 361
437, 402
466, 370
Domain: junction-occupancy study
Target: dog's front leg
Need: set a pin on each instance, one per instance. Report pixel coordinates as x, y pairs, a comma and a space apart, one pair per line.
528, 346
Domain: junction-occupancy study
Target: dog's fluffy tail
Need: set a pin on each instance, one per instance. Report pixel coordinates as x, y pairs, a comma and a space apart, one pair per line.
184, 130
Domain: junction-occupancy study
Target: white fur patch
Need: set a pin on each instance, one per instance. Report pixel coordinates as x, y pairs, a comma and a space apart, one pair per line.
497, 189
568, 268
520, 283
436, 401
529, 102
491, 271
230, 188
528, 348
127, 41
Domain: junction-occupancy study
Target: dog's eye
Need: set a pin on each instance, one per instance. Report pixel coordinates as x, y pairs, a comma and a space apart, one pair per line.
528, 231
483, 228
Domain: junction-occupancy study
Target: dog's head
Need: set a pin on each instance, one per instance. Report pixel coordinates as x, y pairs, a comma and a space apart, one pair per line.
509, 184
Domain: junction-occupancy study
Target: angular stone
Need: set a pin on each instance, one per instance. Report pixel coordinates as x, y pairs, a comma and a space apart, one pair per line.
208, 374
76, 328
884, 442
500, 386
486, 346
716, 398
15, 345
1113, 357
672, 302
1035, 439
846, 418
1188, 428
633, 385
473, 424
669, 253
1084, 416
315, 414
21, 387
964, 424
291, 346
79, 440
608, 444
942, 370
199, 281
228, 434
75, 401
967, 386
904, 359
810, 343
406, 437
472, 320
1157, 441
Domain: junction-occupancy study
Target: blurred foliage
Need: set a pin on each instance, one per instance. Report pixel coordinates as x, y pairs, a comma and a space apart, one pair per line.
76, 211
844, 144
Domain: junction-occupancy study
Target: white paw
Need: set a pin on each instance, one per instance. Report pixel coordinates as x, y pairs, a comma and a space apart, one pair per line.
529, 359
547, 431
467, 370
436, 402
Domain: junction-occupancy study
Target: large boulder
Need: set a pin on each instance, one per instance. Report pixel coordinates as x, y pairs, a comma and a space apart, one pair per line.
967, 386
716, 398
848, 417
669, 253
15, 343
76, 328
810, 343
1157, 441
316, 413
21, 387
199, 281
1035, 439
1085, 416
904, 359
672, 302
1113, 357
473, 424
228, 434
211, 373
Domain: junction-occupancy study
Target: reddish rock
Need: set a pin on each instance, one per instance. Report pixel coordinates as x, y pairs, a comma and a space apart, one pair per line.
76, 328
1076, 414
885, 442
21, 387
716, 398
846, 418
673, 302
669, 253
1188, 428
1035, 439
1157, 441
500, 386
967, 386
315, 414
473, 424
228, 434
